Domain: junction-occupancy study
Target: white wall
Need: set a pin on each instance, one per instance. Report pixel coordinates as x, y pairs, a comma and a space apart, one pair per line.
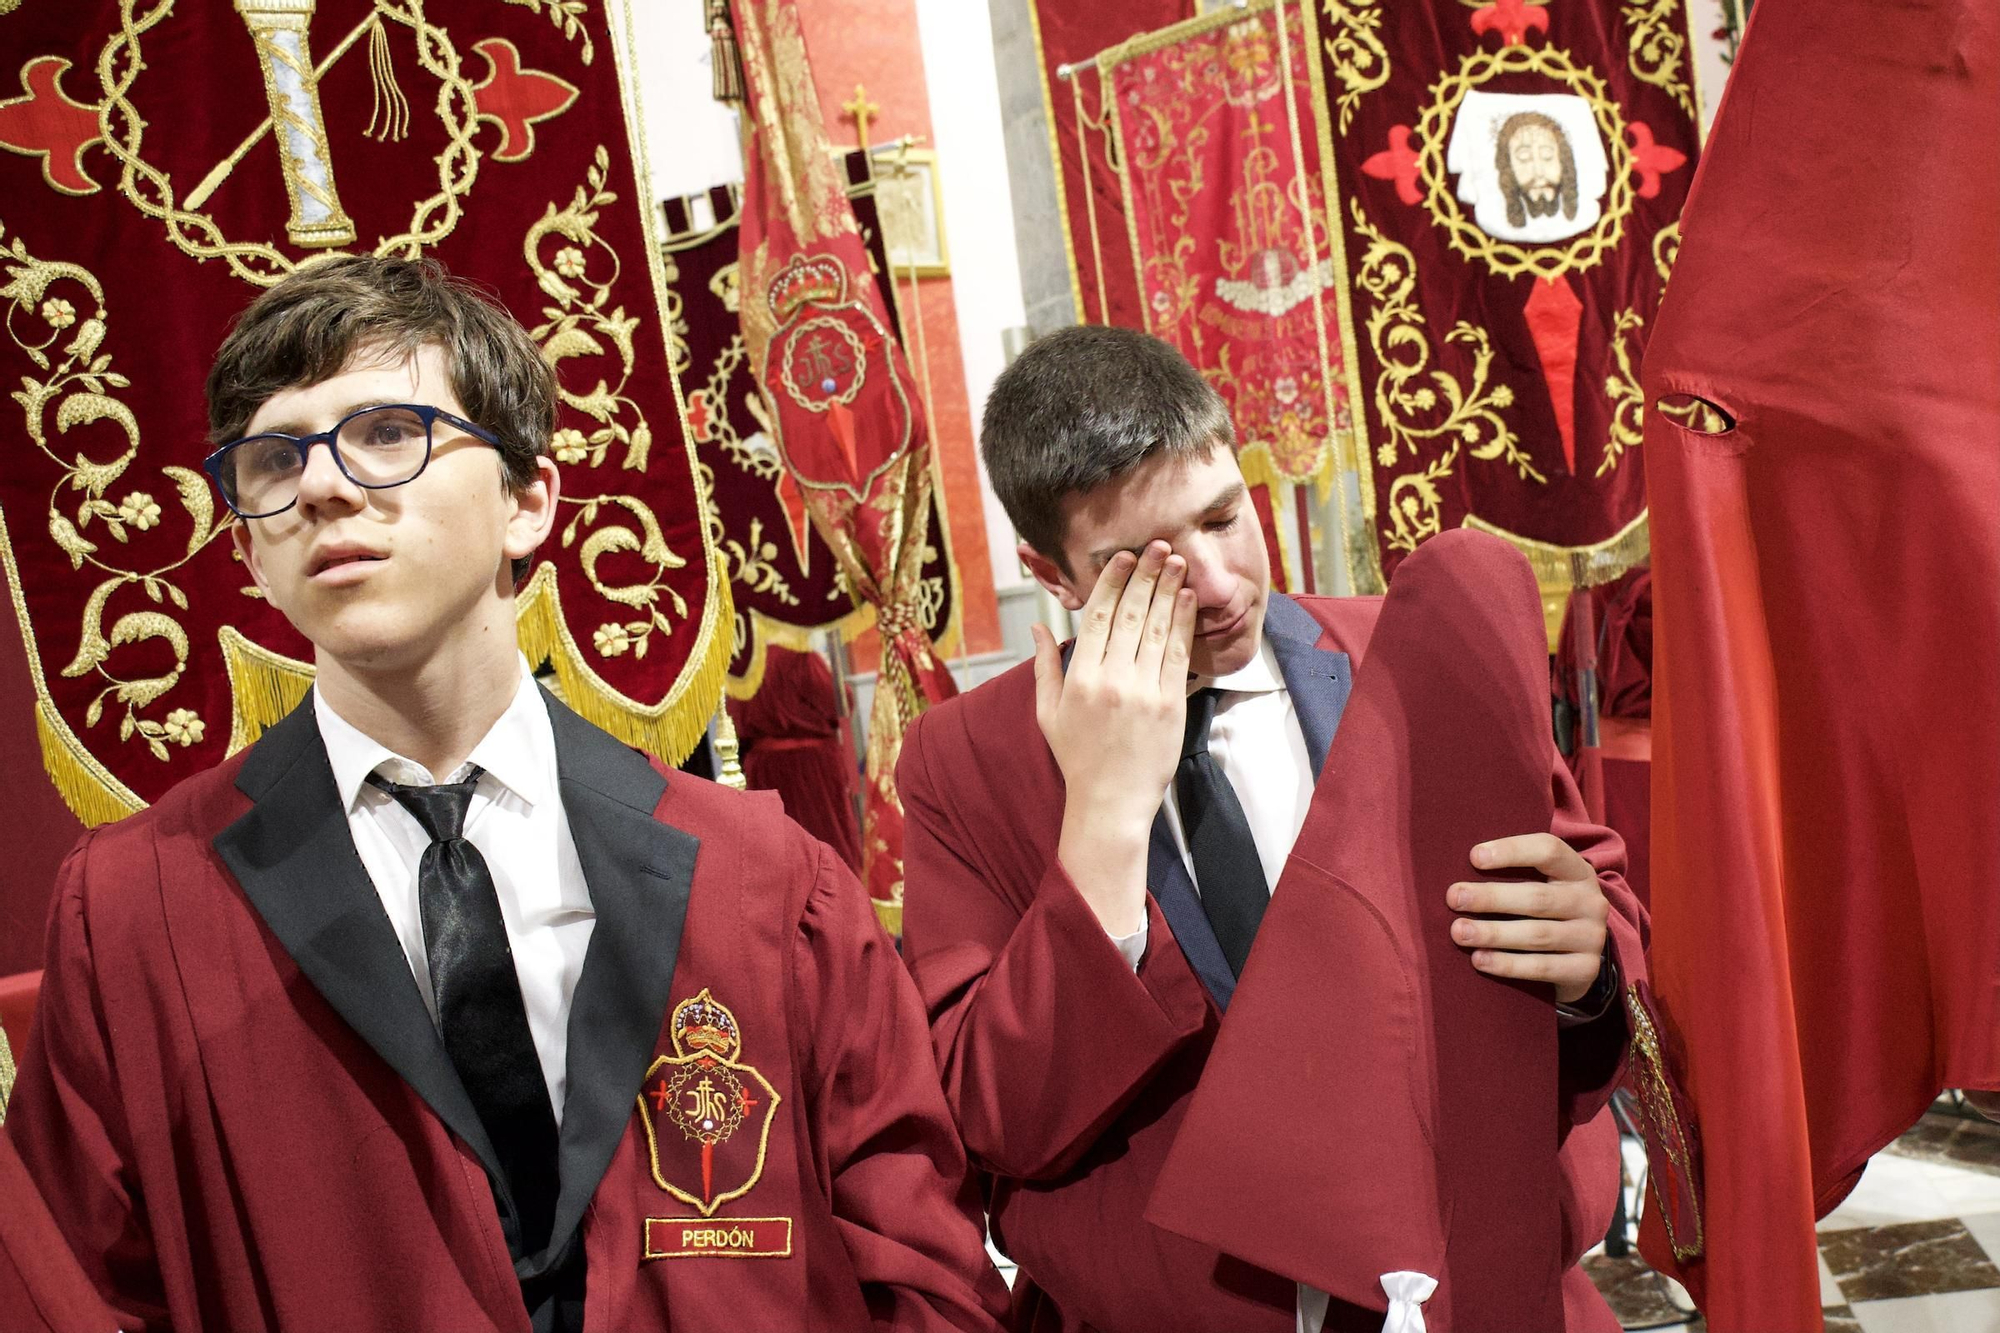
978, 216
692, 141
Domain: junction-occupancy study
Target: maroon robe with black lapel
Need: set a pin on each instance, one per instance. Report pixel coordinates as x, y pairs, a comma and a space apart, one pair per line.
243, 1118
1070, 1075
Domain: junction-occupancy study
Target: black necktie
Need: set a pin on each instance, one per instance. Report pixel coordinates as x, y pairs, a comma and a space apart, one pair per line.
479, 1008
1227, 871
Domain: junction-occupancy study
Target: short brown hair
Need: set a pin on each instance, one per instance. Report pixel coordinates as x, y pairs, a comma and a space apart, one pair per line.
1083, 407
307, 329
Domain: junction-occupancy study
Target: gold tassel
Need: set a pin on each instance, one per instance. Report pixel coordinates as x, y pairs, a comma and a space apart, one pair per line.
728, 768
724, 59
391, 108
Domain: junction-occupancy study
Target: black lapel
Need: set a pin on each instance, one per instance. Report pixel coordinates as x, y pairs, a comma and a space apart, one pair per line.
1173, 890
294, 856
639, 872
1318, 679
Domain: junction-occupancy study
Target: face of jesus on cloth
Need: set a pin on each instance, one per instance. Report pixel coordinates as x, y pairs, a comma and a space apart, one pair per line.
1199, 506
412, 578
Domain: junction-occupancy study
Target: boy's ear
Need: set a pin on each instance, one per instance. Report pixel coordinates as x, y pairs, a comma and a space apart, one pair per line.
534, 510
1050, 576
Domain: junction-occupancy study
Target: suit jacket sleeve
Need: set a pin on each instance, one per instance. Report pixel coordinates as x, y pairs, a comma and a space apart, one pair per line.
896, 1173
1593, 1054
1043, 1032
67, 1117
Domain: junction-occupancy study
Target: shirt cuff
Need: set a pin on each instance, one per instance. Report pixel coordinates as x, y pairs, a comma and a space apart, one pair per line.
1595, 1002
1132, 946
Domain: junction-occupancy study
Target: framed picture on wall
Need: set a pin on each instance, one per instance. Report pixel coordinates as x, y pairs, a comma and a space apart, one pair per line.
911, 206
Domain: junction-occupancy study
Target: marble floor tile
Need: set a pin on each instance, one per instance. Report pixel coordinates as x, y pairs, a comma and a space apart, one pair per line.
1829, 1290
1958, 1312
1949, 1138
1965, 1189
1639, 1296
1892, 1190
1907, 1259
1985, 1228
1839, 1319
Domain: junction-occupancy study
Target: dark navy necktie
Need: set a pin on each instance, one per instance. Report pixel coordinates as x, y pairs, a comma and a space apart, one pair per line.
1227, 871
480, 1012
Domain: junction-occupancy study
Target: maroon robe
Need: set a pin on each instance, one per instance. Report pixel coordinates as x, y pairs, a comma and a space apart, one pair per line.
243, 1117
41, 1285
1069, 1075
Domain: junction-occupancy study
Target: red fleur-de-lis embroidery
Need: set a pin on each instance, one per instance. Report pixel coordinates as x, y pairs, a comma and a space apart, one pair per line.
48, 124
1651, 160
515, 98
1398, 163
1511, 19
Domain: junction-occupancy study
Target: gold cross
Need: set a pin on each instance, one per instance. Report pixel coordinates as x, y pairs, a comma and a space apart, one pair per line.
860, 110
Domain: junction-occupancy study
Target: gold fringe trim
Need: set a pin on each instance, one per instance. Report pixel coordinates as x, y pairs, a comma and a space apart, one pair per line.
6, 1055
668, 730
890, 915
1561, 569
263, 686
87, 788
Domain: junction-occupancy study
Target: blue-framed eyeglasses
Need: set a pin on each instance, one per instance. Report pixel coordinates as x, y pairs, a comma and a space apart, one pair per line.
376, 447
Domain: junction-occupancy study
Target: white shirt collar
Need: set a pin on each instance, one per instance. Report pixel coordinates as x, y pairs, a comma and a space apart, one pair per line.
1260, 675
518, 751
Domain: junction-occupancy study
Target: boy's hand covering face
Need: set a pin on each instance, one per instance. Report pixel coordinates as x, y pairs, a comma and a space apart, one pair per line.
1115, 721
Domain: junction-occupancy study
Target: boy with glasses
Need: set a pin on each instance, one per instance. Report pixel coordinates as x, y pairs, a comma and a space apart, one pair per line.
438, 1007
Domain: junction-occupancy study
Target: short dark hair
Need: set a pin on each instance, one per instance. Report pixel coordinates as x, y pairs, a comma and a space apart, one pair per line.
1083, 407
307, 329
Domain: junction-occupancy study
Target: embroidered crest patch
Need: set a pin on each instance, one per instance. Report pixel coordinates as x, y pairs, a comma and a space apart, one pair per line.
707, 1114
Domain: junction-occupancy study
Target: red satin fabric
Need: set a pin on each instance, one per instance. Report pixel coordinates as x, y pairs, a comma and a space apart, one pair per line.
1827, 585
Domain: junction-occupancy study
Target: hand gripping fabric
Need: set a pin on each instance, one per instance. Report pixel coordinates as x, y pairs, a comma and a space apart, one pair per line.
1373, 1104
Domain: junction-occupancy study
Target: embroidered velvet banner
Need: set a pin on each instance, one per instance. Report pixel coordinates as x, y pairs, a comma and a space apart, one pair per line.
785, 584
843, 409
1508, 179
1226, 219
166, 165
1069, 34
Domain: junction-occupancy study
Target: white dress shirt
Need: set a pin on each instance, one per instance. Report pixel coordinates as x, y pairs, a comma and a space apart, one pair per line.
516, 821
